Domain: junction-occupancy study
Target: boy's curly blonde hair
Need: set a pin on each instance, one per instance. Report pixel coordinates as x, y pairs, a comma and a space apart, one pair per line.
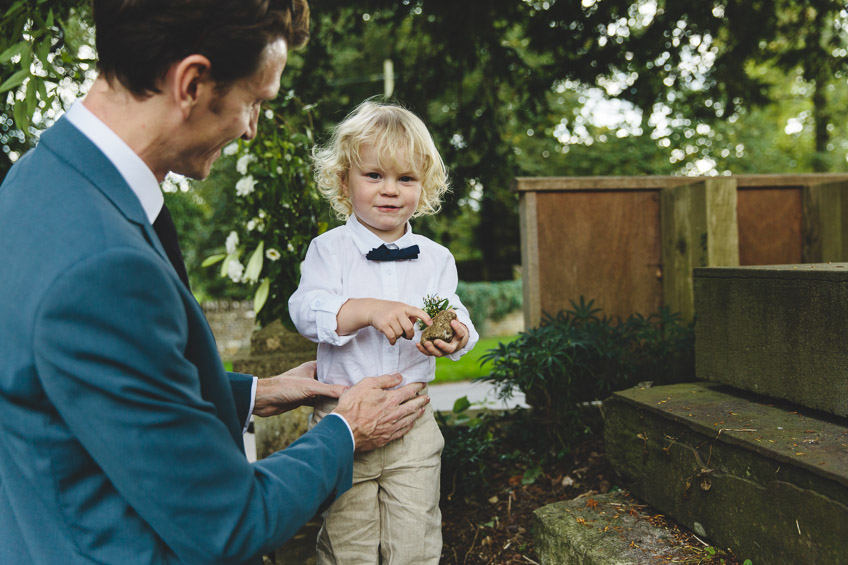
399, 138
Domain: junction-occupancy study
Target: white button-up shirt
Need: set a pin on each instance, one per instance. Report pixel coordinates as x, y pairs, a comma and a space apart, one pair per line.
336, 270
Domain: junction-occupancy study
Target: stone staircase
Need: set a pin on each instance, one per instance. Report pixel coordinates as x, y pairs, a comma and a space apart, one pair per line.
754, 457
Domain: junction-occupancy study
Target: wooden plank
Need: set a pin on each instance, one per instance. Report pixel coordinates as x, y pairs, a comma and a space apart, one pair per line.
529, 226
698, 230
603, 246
824, 207
769, 222
543, 184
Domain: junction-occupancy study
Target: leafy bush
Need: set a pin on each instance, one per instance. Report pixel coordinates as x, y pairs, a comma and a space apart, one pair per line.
474, 438
278, 209
490, 300
582, 355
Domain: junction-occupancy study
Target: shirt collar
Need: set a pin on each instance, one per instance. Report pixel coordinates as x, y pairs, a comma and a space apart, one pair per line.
366, 240
138, 175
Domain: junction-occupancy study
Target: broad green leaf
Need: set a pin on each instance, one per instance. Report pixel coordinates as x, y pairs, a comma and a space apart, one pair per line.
43, 49
261, 295
461, 405
212, 259
50, 18
15, 49
31, 100
42, 89
254, 264
14, 80
21, 119
15, 7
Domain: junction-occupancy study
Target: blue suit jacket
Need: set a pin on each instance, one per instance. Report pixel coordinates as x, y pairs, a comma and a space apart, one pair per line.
120, 431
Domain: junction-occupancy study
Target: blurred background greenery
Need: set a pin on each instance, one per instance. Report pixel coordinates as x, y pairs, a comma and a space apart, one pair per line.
508, 88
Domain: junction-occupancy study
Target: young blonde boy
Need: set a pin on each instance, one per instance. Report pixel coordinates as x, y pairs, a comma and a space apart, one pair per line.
360, 295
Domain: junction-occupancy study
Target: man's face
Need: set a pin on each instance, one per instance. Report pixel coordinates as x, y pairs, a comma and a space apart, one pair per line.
230, 116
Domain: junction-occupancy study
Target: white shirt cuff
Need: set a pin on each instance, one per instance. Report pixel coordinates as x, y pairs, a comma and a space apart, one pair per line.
352, 440
252, 402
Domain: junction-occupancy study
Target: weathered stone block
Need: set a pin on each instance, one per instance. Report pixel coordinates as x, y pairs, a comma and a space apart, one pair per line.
765, 480
601, 533
777, 330
274, 350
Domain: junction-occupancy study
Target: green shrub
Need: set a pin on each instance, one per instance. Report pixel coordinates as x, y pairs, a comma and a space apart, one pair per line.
582, 355
489, 300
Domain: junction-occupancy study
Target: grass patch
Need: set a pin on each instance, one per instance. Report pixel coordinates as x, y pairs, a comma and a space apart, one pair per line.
468, 367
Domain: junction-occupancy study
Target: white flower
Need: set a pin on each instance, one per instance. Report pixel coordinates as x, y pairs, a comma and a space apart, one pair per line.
279, 170
235, 270
269, 114
272, 254
262, 214
230, 149
243, 162
245, 186
290, 247
251, 225
232, 242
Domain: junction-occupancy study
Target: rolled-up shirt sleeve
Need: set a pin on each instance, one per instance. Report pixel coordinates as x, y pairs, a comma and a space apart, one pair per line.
315, 305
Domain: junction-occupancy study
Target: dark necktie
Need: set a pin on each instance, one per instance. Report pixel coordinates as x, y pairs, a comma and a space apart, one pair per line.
167, 232
383, 253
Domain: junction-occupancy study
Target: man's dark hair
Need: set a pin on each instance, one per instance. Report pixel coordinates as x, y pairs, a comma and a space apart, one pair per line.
138, 40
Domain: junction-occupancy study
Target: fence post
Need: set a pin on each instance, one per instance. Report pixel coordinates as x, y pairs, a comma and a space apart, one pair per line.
699, 229
825, 233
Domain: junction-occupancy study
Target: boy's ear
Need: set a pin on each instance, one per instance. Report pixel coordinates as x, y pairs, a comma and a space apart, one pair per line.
343, 182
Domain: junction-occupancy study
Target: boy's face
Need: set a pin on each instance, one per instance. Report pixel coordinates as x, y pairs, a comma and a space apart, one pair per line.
383, 197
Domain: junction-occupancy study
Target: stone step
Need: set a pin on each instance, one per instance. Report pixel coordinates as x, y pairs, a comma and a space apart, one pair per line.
768, 480
778, 330
603, 529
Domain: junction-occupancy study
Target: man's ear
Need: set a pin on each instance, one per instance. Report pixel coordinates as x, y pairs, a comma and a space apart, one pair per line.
191, 82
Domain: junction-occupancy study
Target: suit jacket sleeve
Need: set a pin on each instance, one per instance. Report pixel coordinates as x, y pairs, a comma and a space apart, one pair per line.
242, 386
115, 367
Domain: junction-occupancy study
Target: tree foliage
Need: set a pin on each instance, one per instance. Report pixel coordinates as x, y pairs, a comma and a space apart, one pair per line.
520, 88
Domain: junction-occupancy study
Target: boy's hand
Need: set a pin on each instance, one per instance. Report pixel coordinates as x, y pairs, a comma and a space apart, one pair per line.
392, 319
440, 348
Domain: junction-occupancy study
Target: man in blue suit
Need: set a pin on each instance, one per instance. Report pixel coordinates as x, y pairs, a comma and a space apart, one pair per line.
120, 431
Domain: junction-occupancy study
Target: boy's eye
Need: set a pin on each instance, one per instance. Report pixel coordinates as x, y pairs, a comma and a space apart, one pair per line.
406, 178
374, 176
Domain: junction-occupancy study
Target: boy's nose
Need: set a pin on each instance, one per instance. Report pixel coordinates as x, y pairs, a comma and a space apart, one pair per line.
390, 187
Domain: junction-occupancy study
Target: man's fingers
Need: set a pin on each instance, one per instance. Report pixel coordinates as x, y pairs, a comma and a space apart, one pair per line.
410, 391
384, 381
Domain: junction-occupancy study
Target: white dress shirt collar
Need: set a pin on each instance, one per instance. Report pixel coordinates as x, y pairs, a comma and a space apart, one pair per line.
138, 175
366, 240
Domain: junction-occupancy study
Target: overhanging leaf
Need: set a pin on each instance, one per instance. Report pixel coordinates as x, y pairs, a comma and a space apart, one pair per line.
15, 80
261, 295
254, 264
212, 259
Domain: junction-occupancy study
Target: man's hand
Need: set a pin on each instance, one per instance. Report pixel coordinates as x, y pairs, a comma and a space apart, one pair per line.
377, 415
439, 348
296, 387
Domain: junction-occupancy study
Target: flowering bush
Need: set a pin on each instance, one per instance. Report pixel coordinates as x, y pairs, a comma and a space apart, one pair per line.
278, 209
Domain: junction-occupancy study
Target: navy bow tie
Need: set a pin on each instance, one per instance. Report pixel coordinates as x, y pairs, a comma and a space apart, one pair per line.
383, 253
